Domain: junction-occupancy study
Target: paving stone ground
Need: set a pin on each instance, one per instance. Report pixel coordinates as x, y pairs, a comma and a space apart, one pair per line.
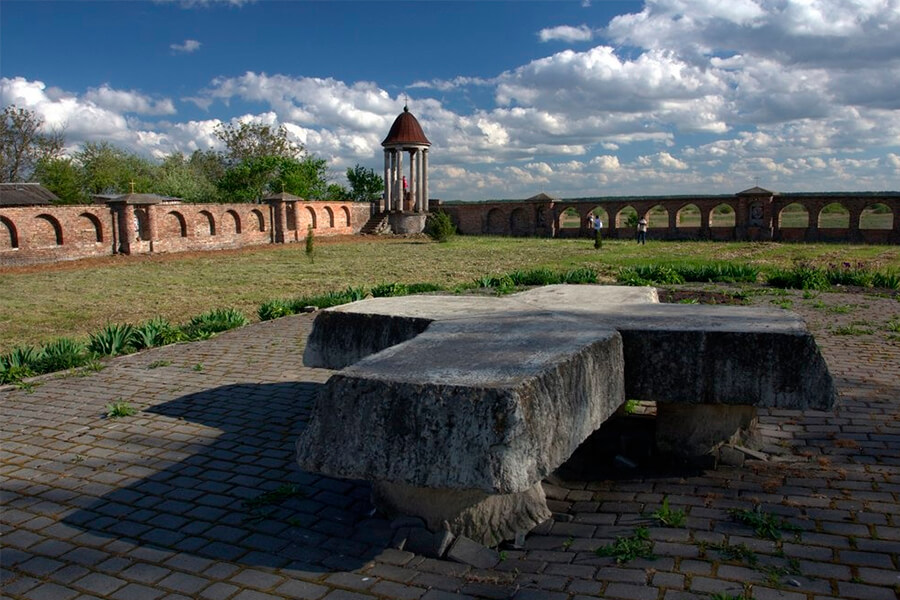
198, 496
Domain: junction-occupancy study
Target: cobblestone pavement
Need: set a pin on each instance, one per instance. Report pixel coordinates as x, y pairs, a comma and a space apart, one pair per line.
198, 496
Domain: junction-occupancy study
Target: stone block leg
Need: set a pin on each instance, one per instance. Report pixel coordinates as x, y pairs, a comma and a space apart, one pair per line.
484, 517
692, 430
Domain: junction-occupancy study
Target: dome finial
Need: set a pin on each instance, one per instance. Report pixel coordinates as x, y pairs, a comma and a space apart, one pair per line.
406, 103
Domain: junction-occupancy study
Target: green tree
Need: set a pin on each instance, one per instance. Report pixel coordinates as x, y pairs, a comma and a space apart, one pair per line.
307, 177
365, 184
248, 141
107, 169
177, 176
23, 143
337, 193
62, 177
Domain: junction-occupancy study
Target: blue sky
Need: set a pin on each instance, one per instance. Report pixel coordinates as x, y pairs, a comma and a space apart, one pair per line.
569, 98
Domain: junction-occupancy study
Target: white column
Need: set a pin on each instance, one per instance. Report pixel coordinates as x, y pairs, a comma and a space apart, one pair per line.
385, 202
413, 179
425, 180
419, 199
400, 179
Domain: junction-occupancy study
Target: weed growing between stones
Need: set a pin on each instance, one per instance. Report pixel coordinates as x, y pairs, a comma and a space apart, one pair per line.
159, 363
764, 525
669, 517
852, 329
625, 549
117, 410
262, 505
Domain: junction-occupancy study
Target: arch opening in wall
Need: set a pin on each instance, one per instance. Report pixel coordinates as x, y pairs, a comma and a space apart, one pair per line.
330, 214
496, 222
793, 215
312, 217
174, 225
9, 239
599, 211
142, 224
627, 218
570, 218
260, 220
207, 225
90, 229
658, 217
346, 213
834, 216
877, 216
519, 223
722, 215
48, 231
234, 221
688, 216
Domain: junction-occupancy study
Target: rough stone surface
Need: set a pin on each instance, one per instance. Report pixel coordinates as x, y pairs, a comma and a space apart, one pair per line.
695, 429
486, 517
489, 404
472, 553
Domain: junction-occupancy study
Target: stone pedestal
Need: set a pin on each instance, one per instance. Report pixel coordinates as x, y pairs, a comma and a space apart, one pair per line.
407, 222
484, 517
692, 430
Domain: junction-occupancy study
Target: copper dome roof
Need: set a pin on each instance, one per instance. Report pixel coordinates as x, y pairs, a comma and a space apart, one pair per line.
406, 130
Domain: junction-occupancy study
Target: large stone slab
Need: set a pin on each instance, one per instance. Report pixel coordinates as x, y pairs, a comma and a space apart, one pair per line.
490, 404
457, 407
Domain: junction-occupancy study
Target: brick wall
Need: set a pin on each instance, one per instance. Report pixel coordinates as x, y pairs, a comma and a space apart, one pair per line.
41, 234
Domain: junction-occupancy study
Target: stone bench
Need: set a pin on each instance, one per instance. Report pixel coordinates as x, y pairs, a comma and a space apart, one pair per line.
456, 407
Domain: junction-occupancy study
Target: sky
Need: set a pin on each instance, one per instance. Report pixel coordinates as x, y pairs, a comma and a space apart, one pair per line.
570, 98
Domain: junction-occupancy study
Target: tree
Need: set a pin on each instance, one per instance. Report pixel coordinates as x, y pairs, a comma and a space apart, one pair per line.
179, 177
62, 177
107, 169
307, 178
365, 184
23, 143
248, 141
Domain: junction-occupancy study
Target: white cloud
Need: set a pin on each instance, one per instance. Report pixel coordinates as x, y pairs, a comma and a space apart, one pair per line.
186, 47
122, 101
567, 33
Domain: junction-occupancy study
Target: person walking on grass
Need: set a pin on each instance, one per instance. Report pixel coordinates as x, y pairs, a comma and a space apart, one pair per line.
598, 225
642, 231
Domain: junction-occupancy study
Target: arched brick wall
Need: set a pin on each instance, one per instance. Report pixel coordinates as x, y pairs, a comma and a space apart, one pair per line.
757, 215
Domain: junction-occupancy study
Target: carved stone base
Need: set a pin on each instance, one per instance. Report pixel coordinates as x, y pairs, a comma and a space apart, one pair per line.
486, 518
691, 430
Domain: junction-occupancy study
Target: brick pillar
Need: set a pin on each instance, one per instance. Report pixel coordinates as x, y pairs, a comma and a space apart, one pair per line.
152, 215
279, 226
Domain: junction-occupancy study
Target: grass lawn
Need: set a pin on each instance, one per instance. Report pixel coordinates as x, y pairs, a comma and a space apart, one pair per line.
73, 299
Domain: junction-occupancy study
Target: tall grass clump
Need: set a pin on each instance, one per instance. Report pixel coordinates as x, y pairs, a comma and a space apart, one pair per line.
649, 275
583, 275
666, 274
862, 276
156, 332
206, 325
18, 363
422, 288
387, 290
62, 354
113, 339
274, 309
802, 277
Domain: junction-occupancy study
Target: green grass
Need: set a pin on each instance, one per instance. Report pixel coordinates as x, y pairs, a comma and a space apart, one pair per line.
669, 517
765, 525
117, 410
75, 299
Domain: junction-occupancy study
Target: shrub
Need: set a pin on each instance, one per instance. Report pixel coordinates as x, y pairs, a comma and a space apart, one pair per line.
113, 339
535, 277
18, 363
213, 322
440, 227
390, 289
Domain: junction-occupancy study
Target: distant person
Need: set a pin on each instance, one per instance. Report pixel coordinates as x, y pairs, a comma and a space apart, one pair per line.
642, 231
598, 225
